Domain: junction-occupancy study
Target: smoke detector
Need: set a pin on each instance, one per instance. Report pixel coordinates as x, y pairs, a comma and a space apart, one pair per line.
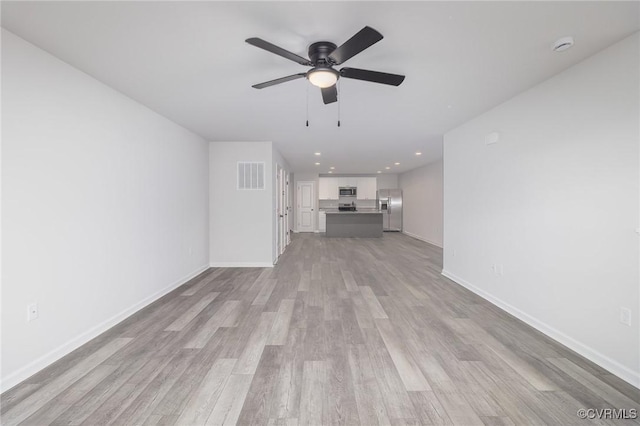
562, 44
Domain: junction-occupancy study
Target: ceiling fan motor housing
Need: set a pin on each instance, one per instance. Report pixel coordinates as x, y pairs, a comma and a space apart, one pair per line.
319, 53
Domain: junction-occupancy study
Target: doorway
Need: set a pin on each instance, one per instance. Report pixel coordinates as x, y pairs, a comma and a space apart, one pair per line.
282, 216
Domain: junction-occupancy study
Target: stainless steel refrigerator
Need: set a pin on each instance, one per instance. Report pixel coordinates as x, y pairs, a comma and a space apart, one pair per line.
390, 204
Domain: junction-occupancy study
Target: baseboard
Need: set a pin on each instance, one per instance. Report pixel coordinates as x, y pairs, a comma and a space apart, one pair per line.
418, 237
241, 265
49, 358
591, 354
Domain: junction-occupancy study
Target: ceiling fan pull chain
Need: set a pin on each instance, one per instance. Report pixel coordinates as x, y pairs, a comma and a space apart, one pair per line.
339, 87
307, 105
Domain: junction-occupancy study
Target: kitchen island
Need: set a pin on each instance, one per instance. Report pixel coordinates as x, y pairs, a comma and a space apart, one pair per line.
361, 223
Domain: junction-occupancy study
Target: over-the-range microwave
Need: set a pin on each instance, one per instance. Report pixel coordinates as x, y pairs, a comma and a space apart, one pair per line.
348, 191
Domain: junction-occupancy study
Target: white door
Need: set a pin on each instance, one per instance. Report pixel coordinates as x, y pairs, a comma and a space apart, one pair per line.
306, 206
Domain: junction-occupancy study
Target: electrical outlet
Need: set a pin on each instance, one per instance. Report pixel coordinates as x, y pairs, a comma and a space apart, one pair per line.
453, 252
32, 312
625, 316
494, 269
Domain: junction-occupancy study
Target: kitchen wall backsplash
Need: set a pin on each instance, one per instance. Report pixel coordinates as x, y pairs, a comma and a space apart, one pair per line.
360, 204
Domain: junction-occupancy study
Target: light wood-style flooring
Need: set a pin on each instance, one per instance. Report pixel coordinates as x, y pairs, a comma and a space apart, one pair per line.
341, 331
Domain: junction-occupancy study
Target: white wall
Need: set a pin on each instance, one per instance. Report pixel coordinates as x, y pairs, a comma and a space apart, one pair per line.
422, 202
556, 202
387, 181
104, 207
241, 221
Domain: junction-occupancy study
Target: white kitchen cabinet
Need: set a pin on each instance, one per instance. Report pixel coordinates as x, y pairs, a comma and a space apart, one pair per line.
322, 221
346, 181
327, 188
367, 187
351, 182
323, 189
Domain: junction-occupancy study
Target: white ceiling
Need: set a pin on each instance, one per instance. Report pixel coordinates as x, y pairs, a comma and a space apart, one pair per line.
189, 62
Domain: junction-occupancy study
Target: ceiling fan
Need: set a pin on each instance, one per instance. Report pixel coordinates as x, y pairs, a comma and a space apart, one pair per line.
323, 55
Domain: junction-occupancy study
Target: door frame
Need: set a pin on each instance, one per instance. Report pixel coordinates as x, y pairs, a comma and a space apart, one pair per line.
279, 213
282, 206
288, 213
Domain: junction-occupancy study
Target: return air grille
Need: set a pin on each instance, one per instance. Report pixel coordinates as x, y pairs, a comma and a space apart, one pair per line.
250, 175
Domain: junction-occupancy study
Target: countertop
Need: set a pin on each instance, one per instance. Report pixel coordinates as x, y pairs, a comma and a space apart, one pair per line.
362, 211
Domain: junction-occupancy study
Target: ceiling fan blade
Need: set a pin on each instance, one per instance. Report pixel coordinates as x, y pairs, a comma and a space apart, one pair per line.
269, 47
363, 39
330, 94
373, 76
278, 81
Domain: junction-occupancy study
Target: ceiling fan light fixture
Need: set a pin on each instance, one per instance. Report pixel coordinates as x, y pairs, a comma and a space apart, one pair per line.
322, 77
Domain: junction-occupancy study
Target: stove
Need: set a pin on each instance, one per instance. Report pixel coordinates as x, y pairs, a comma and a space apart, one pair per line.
347, 207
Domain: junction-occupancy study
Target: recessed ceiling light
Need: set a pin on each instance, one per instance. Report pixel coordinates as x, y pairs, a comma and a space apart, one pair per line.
317, 153
387, 167
379, 171
418, 153
332, 168
330, 171
397, 164
449, 106
317, 164
562, 44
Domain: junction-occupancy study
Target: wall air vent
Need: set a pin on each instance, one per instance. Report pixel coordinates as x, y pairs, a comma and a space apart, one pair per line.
250, 175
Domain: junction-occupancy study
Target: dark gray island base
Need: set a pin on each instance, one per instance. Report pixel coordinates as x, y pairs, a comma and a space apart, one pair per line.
354, 224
